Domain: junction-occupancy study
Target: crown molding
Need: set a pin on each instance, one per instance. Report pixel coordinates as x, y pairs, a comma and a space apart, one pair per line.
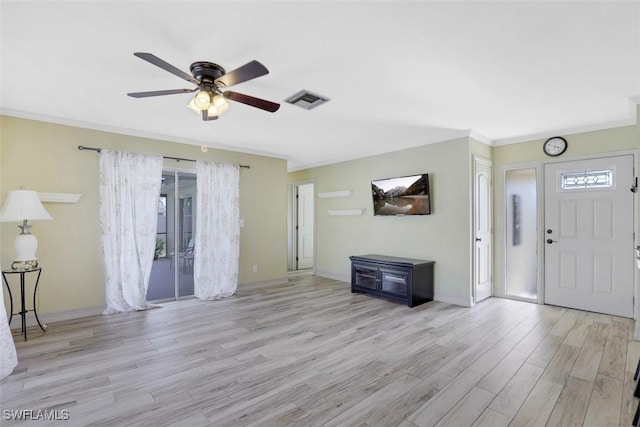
480, 137
634, 101
455, 134
136, 133
571, 131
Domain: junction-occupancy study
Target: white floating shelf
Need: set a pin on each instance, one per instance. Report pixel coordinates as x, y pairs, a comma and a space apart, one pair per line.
59, 197
329, 194
343, 212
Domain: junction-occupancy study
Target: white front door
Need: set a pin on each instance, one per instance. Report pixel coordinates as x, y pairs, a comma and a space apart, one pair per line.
589, 235
305, 226
482, 230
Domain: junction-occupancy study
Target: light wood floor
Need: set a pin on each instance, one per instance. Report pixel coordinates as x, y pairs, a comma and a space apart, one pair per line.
311, 353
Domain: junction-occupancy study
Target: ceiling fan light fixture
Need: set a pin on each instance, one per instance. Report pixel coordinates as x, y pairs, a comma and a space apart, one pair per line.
210, 101
192, 106
213, 111
221, 103
202, 99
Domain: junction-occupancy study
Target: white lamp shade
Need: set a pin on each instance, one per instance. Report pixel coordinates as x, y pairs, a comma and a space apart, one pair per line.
23, 205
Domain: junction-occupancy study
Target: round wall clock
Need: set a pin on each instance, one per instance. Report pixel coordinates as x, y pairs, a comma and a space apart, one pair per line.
555, 146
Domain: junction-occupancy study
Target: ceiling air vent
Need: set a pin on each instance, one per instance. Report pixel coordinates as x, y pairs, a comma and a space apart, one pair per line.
307, 100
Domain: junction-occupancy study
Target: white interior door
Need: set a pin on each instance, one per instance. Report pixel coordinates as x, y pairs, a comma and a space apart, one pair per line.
305, 203
589, 235
482, 224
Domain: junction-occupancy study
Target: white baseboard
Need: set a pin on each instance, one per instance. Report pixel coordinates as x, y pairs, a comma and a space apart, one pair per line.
439, 296
334, 276
263, 283
451, 299
59, 316
55, 316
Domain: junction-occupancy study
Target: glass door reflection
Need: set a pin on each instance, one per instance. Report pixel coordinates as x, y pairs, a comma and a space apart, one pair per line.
172, 271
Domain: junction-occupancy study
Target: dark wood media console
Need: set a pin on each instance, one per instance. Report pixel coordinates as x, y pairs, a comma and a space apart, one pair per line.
400, 279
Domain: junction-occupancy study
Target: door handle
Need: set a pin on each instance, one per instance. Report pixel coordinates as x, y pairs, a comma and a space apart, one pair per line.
478, 239
549, 241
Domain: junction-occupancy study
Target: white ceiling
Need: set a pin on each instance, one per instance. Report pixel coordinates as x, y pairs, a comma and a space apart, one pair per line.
399, 74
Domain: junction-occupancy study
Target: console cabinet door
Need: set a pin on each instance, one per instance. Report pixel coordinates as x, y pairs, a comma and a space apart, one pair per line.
365, 276
394, 282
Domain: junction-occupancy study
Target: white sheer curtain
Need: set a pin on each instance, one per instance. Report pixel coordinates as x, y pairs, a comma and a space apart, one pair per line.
129, 192
8, 357
217, 245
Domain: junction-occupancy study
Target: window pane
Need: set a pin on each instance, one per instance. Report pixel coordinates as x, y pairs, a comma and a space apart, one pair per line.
586, 179
522, 234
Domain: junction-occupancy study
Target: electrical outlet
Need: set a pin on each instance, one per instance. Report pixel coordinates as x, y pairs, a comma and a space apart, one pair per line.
255, 268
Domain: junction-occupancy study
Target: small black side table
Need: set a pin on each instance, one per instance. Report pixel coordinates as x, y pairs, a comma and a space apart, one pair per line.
23, 306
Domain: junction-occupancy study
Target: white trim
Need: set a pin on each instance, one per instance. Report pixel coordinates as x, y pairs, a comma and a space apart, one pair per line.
470, 133
61, 316
57, 316
292, 213
263, 283
138, 133
588, 128
452, 299
480, 160
346, 212
500, 222
334, 276
330, 194
634, 102
439, 296
542, 213
479, 137
500, 260
391, 149
59, 197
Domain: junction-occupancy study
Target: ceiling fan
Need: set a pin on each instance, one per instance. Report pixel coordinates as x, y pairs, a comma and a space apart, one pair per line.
210, 101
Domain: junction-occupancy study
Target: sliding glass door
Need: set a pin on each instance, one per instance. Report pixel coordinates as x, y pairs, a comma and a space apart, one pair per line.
185, 233
172, 272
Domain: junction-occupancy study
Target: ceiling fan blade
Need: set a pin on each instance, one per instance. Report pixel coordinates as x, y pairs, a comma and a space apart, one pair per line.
263, 104
160, 92
151, 58
206, 117
248, 71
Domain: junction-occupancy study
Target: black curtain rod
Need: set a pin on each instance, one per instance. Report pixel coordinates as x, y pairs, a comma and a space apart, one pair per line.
82, 147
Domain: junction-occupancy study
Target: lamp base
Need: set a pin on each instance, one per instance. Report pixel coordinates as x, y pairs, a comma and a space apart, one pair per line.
25, 245
24, 265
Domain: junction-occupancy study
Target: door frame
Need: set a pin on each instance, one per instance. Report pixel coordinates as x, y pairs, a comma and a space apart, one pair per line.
500, 221
175, 261
622, 186
500, 285
489, 163
292, 219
